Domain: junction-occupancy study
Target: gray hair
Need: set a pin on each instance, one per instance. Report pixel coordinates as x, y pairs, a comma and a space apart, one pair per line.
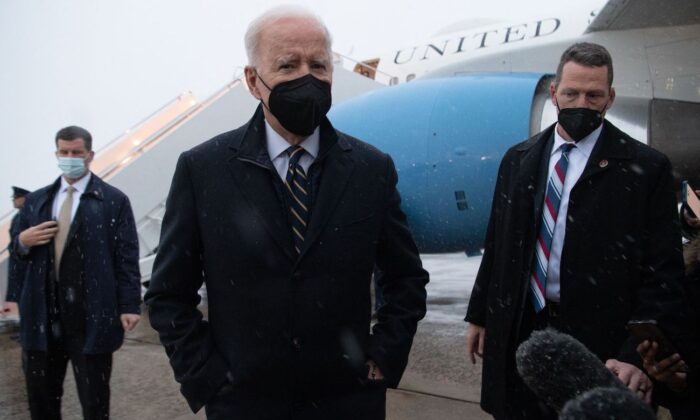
252, 34
586, 54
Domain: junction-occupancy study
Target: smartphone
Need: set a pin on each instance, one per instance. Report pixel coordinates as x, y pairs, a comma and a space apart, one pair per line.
649, 330
690, 199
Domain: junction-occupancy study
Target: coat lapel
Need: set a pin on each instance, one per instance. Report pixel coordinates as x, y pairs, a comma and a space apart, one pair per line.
253, 173
532, 174
337, 167
92, 191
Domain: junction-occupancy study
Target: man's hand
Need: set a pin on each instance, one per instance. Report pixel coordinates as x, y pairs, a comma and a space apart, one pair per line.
40, 234
8, 308
632, 377
374, 374
693, 222
670, 371
475, 341
129, 321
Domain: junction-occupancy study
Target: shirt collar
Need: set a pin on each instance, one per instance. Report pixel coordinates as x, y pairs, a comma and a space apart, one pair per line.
276, 145
585, 145
80, 186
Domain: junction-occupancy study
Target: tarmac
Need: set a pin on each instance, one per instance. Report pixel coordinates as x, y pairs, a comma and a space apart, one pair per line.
439, 383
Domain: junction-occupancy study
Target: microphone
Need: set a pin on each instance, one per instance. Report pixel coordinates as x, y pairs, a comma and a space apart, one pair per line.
557, 368
607, 403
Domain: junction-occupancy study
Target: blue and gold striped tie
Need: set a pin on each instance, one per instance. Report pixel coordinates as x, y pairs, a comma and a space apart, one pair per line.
297, 185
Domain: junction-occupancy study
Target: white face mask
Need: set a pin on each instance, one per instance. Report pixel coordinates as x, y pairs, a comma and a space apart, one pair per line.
72, 167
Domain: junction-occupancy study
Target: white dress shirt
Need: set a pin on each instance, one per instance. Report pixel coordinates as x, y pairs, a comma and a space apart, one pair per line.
276, 147
578, 157
80, 187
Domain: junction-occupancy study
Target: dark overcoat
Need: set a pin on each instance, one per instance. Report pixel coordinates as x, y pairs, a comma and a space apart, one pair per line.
281, 322
15, 266
621, 257
103, 236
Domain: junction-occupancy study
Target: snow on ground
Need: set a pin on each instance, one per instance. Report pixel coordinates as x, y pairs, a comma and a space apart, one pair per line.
451, 281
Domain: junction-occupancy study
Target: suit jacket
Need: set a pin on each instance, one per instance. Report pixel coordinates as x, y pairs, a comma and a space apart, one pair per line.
16, 267
102, 245
280, 321
621, 257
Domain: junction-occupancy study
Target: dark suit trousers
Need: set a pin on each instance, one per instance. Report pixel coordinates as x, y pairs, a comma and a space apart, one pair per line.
362, 402
45, 371
523, 404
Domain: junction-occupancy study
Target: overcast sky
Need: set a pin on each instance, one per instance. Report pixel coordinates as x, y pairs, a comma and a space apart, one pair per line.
105, 65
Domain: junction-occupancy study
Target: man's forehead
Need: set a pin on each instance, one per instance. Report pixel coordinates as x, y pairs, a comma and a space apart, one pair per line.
78, 143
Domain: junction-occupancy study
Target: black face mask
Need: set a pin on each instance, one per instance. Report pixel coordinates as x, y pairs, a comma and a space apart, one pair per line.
300, 104
579, 122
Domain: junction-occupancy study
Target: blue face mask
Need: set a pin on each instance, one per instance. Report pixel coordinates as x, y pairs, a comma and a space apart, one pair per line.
72, 167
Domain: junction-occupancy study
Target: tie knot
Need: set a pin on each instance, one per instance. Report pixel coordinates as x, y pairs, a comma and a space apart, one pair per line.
294, 153
70, 190
566, 148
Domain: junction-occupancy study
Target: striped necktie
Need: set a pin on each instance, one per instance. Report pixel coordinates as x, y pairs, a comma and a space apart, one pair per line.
297, 186
555, 188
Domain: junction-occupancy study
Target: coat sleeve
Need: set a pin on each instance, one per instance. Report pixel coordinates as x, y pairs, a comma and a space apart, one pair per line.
173, 296
658, 294
14, 280
126, 261
403, 288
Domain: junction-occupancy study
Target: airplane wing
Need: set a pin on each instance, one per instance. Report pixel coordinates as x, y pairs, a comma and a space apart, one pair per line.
637, 14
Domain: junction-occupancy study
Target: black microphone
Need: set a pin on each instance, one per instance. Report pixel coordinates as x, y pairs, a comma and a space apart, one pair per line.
557, 368
607, 403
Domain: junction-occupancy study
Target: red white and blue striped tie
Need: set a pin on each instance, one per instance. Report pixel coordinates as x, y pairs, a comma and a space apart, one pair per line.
555, 188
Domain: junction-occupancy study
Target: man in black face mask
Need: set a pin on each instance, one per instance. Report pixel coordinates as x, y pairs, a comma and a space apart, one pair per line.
583, 237
285, 219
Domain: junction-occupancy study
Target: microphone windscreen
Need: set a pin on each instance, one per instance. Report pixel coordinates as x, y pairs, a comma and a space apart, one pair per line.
607, 403
557, 368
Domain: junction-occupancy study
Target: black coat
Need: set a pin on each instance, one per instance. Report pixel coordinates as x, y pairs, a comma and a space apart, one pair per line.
103, 237
621, 257
279, 321
15, 267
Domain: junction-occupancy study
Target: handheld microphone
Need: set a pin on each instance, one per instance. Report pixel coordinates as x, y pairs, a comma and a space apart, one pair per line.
607, 403
557, 368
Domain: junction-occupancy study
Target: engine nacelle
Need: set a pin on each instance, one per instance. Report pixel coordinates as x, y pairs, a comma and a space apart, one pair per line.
447, 138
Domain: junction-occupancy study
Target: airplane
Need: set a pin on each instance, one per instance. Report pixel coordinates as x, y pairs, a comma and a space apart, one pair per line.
455, 104
446, 111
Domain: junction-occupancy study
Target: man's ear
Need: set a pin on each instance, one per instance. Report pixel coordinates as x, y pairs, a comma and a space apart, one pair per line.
251, 79
553, 93
612, 98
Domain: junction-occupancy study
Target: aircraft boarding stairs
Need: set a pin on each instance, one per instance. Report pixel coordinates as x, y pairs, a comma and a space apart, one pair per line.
141, 161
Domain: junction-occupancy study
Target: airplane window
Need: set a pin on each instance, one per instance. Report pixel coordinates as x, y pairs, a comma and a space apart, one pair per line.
674, 129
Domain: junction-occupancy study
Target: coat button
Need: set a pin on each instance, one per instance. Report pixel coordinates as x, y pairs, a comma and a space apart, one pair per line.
296, 343
296, 276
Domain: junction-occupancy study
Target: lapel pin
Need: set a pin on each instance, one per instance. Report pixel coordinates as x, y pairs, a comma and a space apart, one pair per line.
603, 163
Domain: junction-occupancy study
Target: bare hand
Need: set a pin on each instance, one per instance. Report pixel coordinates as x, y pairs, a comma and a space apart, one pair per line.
475, 341
693, 222
632, 377
129, 321
670, 371
374, 374
8, 308
40, 234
